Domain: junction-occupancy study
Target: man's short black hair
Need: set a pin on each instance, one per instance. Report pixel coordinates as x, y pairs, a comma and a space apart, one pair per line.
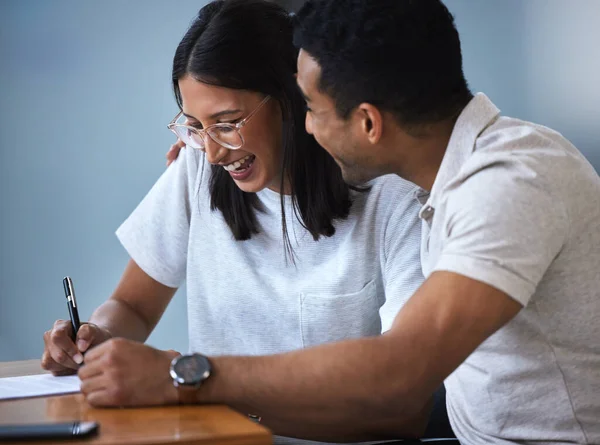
400, 55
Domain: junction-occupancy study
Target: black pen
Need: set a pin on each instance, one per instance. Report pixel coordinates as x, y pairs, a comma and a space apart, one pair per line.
72, 305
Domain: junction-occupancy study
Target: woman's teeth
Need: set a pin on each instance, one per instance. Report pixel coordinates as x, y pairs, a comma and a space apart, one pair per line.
237, 164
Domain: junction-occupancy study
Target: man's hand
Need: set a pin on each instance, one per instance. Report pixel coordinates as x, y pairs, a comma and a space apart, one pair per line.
122, 372
174, 151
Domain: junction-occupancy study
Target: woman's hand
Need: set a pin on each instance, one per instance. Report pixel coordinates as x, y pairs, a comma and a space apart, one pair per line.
174, 151
123, 372
62, 355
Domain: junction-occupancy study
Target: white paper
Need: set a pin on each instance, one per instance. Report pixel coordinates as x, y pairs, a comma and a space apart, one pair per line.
37, 385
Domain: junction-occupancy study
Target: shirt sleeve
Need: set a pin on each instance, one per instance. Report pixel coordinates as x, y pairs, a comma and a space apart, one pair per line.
156, 234
402, 273
504, 225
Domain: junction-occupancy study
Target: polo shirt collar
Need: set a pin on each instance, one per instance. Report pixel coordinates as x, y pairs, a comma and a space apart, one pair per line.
479, 113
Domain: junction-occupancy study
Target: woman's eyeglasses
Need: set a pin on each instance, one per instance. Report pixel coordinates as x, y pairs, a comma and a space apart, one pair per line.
227, 135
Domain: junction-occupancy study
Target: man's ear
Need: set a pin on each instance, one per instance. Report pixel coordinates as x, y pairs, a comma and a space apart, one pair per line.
370, 121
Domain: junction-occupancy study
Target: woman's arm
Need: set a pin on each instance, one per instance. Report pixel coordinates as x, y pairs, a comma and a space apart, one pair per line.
135, 307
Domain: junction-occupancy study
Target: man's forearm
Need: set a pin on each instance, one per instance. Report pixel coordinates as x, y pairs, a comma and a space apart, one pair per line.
347, 391
121, 320
370, 388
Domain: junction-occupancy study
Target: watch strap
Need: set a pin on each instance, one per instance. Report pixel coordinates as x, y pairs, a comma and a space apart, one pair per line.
188, 394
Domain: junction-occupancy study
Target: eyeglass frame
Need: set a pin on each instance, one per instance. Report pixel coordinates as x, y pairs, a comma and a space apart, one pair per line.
203, 132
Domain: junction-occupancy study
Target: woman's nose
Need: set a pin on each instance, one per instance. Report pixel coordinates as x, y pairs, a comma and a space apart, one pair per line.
308, 123
215, 152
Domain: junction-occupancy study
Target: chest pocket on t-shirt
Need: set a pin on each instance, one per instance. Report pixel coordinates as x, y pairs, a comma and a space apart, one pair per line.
326, 318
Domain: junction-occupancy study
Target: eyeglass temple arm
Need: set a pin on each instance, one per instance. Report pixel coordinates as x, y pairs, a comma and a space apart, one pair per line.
175, 119
245, 121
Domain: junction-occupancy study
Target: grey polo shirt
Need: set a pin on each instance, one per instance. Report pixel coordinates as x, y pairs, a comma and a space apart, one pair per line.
516, 206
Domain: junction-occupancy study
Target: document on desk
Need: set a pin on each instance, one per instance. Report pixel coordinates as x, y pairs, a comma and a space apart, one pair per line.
37, 385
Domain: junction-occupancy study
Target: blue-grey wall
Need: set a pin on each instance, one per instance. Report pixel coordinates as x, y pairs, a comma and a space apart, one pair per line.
85, 96
538, 60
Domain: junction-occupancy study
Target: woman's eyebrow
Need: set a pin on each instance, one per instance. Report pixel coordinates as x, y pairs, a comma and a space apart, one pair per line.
224, 113
216, 115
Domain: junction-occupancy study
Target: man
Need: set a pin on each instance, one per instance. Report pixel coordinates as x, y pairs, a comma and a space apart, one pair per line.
511, 251
511, 243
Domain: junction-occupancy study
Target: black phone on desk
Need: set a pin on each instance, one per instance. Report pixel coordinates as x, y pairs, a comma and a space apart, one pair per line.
46, 431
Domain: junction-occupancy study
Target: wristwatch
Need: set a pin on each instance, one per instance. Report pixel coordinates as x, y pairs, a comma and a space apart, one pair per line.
188, 373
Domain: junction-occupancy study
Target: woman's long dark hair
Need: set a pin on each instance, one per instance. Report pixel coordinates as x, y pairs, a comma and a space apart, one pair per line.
247, 45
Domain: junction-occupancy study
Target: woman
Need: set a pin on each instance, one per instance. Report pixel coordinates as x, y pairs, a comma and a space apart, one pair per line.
277, 251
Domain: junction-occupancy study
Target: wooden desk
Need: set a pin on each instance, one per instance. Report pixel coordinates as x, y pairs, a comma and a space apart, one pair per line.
177, 425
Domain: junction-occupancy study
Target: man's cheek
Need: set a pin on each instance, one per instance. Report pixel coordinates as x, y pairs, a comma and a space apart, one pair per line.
322, 141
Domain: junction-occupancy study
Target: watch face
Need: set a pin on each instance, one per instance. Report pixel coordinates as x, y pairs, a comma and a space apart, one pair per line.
191, 369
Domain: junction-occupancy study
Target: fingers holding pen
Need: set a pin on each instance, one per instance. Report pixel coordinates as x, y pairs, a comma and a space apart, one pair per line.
60, 353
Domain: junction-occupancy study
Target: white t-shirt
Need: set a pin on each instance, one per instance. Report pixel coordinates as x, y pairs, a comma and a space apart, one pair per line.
516, 206
242, 296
